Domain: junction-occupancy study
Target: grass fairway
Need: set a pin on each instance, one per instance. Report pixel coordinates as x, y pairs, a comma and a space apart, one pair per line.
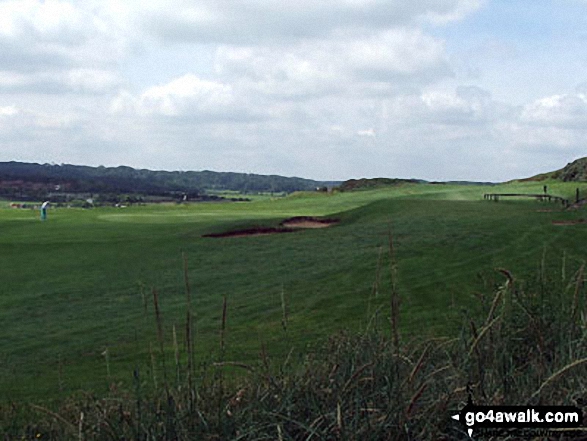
82, 282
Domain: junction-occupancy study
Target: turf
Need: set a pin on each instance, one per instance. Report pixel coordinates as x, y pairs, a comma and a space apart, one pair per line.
82, 282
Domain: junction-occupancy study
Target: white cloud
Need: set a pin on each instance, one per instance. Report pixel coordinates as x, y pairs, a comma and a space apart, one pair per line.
441, 102
396, 52
78, 81
8, 111
50, 21
257, 21
369, 133
568, 111
93, 80
31, 119
402, 57
278, 72
465, 105
53, 35
186, 96
183, 94
454, 10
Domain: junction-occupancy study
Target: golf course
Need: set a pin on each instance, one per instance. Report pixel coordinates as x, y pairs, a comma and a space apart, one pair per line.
91, 295
293, 221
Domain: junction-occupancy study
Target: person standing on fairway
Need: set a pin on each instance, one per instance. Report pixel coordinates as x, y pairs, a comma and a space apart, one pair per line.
44, 210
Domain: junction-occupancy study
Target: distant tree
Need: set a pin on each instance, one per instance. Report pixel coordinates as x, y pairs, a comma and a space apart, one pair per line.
36, 180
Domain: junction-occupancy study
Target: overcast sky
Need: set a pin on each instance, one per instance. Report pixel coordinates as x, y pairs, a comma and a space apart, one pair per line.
486, 90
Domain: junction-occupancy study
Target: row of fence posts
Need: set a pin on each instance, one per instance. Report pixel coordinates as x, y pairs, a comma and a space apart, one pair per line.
565, 202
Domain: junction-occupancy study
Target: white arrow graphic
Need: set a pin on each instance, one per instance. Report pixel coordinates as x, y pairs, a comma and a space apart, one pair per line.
457, 417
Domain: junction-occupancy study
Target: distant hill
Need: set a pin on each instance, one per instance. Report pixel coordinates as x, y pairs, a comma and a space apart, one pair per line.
483, 183
363, 184
573, 171
366, 184
28, 181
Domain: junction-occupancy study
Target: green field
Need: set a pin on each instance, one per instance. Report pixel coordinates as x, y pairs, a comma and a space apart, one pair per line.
82, 281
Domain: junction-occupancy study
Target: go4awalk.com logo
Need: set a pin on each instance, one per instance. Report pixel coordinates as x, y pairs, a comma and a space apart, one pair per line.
523, 418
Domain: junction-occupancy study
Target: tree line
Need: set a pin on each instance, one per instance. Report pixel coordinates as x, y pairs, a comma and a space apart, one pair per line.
35, 181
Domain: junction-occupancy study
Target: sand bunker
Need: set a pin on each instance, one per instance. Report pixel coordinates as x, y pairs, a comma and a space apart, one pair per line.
287, 226
570, 222
308, 222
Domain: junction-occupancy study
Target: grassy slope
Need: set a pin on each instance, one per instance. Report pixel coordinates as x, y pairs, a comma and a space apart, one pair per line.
71, 286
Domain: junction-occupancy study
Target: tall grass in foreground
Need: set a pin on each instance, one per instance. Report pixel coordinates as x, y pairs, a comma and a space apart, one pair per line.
527, 344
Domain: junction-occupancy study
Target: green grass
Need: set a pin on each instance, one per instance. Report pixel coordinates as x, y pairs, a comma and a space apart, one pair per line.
525, 345
253, 196
76, 284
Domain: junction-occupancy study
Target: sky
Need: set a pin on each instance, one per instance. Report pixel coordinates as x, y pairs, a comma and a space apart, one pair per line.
484, 90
